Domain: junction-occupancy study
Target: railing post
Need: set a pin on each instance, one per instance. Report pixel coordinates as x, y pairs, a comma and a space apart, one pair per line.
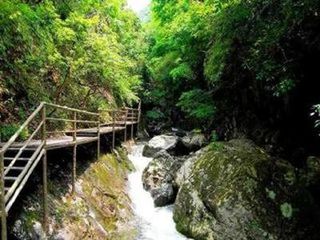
139, 116
44, 170
3, 203
113, 130
98, 140
125, 125
74, 155
132, 123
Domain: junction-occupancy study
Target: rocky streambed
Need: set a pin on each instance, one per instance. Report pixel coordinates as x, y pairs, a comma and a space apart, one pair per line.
181, 183
231, 190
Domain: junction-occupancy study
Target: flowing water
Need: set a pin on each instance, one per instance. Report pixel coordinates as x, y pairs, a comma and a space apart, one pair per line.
154, 223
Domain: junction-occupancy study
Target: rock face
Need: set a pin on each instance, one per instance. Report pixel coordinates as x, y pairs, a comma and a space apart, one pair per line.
185, 170
158, 143
100, 208
158, 178
235, 190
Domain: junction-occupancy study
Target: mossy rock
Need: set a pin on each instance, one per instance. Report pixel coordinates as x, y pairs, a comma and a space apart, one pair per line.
237, 191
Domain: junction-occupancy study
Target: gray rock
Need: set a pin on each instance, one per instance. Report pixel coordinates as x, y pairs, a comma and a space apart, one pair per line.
193, 141
184, 172
163, 195
38, 232
64, 234
235, 190
158, 143
158, 177
19, 231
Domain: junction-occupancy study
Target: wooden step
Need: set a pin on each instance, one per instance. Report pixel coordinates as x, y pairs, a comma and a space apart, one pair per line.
17, 149
15, 168
18, 159
10, 178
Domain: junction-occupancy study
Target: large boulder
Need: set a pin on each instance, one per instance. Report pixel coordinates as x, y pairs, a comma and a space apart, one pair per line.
193, 141
235, 190
184, 172
159, 143
158, 178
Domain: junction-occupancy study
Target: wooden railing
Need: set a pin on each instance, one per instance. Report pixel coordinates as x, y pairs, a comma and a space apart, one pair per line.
68, 127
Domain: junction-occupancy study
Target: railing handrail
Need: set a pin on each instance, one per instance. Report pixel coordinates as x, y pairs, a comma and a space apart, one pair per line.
7, 145
71, 109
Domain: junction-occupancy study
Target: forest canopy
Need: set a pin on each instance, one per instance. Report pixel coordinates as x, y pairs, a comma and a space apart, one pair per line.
236, 65
87, 54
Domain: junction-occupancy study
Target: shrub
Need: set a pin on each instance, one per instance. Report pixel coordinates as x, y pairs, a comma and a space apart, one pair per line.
8, 130
197, 104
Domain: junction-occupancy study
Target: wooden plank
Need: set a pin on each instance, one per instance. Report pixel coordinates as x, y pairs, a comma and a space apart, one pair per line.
15, 168
18, 159
10, 178
55, 143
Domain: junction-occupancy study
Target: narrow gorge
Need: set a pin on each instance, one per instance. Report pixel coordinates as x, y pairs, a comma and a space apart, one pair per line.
159, 120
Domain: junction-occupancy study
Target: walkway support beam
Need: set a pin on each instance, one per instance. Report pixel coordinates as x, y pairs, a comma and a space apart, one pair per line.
74, 155
3, 203
139, 116
132, 119
44, 171
125, 125
98, 135
113, 130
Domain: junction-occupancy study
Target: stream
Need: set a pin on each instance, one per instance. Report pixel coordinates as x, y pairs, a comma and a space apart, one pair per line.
154, 223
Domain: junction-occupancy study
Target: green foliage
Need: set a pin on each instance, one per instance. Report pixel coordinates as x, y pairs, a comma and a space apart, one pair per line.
197, 104
154, 115
214, 136
8, 130
271, 194
85, 54
227, 45
286, 210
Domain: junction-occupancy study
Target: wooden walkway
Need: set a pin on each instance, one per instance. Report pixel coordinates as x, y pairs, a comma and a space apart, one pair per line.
18, 159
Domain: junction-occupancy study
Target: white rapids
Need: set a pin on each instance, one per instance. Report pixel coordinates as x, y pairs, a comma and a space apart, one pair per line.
154, 223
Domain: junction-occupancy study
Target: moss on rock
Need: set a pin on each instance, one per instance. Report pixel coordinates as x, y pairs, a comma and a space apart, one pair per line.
100, 208
236, 190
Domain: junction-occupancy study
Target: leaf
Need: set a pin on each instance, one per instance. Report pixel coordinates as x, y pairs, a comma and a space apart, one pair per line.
286, 210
